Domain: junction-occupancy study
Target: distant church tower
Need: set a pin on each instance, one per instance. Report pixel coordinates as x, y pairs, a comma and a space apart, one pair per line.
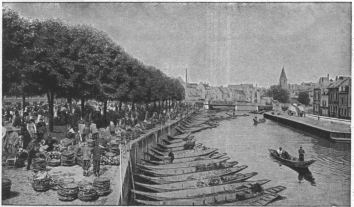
283, 81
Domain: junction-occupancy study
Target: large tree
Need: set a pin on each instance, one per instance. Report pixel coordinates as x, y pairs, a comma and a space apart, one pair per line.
18, 40
304, 98
279, 94
52, 70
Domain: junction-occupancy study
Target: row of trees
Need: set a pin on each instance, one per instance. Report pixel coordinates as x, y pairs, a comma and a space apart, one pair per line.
76, 62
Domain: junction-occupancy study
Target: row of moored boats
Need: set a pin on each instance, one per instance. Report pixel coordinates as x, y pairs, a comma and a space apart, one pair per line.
198, 175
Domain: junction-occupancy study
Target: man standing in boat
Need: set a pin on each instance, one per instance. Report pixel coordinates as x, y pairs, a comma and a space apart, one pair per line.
301, 154
171, 155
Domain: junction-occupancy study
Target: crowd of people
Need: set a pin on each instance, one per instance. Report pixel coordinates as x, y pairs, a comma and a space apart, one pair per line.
33, 139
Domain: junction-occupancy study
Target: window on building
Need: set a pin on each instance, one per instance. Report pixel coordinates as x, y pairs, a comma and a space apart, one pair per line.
345, 111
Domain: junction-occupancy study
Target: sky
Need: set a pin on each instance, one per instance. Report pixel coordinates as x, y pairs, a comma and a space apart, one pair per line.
221, 43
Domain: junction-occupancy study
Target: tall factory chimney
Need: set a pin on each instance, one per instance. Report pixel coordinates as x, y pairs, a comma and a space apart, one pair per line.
186, 76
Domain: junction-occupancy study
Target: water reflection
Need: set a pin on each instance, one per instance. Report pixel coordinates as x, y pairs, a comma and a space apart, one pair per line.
305, 173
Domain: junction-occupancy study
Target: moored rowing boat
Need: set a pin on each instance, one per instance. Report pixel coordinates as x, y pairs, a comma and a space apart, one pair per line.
265, 197
227, 196
185, 170
193, 176
213, 185
162, 160
184, 164
186, 153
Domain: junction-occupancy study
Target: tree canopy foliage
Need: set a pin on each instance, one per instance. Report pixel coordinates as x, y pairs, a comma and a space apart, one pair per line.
76, 61
304, 98
279, 94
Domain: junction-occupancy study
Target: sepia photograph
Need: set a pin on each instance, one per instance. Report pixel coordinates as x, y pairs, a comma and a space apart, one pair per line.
176, 103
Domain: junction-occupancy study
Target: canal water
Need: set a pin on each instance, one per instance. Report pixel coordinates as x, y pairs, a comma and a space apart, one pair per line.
325, 183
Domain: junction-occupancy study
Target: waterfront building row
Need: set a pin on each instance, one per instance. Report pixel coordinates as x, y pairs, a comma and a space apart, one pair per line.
333, 98
204, 92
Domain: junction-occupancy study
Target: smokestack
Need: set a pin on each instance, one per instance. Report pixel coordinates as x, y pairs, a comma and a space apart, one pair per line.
186, 76
328, 76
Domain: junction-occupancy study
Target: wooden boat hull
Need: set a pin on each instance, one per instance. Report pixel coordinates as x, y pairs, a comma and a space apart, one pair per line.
174, 145
174, 149
203, 184
293, 162
193, 176
182, 136
267, 196
227, 196
185, 170
186, 153
159, 160
191, 130
184, 164
173, 141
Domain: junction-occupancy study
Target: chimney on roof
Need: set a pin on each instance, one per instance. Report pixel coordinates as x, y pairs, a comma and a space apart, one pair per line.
336, 78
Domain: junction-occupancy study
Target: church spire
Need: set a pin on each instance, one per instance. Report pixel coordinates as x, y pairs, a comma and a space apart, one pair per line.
283, 76
283, 81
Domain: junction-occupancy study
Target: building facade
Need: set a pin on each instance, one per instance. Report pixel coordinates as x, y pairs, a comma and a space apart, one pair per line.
338, 98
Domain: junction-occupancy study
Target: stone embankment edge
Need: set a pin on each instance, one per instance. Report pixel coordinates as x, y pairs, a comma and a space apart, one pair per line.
336, 136
136, 151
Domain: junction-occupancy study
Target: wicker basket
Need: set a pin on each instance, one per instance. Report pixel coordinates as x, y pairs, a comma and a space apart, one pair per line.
54, 162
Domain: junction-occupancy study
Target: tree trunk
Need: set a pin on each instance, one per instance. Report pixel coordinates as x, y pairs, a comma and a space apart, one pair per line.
23, 107
105, 112
155, 105
83, 107
50, 96
133, 106
70, 104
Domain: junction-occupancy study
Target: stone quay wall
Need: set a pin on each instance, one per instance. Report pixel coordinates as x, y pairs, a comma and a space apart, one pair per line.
336, 136
136, 152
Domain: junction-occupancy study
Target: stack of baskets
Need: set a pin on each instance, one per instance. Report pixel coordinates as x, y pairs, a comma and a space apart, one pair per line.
86, 191
54, 182
68, 158
68, 191
41, 185
102, 186
6, 187
39, 164
54, 162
